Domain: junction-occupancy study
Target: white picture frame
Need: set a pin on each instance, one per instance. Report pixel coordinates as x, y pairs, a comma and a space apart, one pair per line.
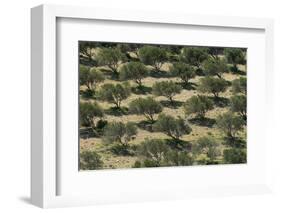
45, 166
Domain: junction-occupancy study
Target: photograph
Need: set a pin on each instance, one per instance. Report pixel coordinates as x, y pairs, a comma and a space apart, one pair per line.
159, 105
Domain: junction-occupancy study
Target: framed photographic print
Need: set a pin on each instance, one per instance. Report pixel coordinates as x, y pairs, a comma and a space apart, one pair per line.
135, 106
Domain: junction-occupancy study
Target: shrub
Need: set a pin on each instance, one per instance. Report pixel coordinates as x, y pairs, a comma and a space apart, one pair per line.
120, 133
198, 105
173, 127
239, 86
234, 56
89, 112
183, 71
238, 103
134, 71
166, 88
215, 67
145, 106
110, 57
230, 124
90, 77
193, 55
152, 55
153, 151
208, 146
178, 158
212, 85
114, 93
234, 156
90, 160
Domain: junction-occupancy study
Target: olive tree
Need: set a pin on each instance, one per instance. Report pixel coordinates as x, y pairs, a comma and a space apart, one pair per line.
166, 88
90, 77
110, 57
208, 146
230, 124
90, 160
178, 158
239, 85
183, 71
234, 56
215, 51
86, 49
238, 103
114, 93
212, 85
173, 127
145, 106
194, 56
89, 113
215, 66
234, 155
134, 71
153, 152
119, 132
198, 105
152, 55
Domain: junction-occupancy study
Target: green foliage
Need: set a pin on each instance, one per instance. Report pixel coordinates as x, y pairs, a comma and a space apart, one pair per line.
110, 57
234, 156
194, 55
86, 49
207, 146
90, 77
153, 151
173, 127
183, 70
230, 124
198, 105
114, 93
178, 158
90, 160
119, 132
215, 66
212, 85
134, 71
166, 88
152, 55
234, 56
239, 85
89, 112
238, 103
145, 106
215, 51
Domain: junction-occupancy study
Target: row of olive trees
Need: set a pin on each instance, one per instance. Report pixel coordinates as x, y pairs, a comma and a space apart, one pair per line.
116, 93
156, 56
157, 153
230, 123
190, 59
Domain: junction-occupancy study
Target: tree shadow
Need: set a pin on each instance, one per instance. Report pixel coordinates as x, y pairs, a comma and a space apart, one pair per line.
121, 150
141, 90
220, 101
87, 62
115, 111
159, 74
206, 122
188, 86
146, 125
199, 72
179, 144
174, 104
87, 94
235, 70
235, 142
